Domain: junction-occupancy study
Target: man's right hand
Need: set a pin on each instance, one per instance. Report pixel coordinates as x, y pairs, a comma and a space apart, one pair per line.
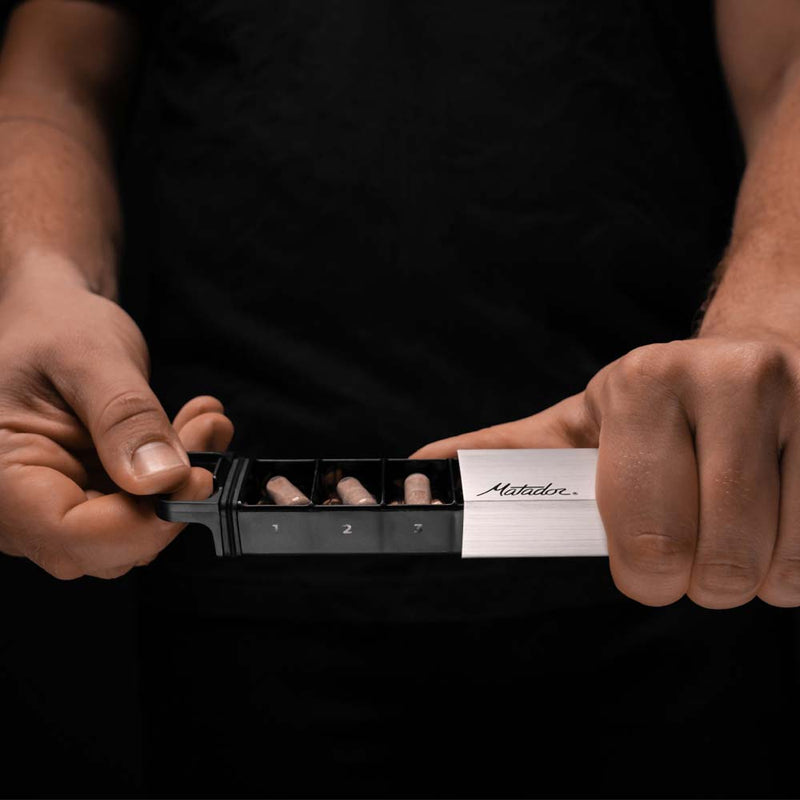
83, 439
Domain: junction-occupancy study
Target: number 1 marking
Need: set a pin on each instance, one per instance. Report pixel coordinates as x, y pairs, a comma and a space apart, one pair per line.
275, 525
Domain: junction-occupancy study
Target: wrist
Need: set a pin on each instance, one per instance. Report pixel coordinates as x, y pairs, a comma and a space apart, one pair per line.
41, 270
752, 291
753, 328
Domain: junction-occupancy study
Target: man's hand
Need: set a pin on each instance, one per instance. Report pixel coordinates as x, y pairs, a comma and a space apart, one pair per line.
83, 439
698, 472
79, 423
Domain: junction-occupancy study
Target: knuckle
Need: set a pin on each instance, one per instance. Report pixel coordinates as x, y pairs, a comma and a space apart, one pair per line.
657, 552
654, 367
129, 409
780, 596
782, 584
16, 445
10, 441
650, 595
786, 571
641, 361
205, 425
763, 359
760, 366
725, 579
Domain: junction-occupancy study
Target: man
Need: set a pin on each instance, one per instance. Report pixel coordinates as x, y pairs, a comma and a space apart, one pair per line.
368, 226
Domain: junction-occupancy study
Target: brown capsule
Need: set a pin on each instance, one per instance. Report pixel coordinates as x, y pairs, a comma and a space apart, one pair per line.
417, 490
284, 493
353, 493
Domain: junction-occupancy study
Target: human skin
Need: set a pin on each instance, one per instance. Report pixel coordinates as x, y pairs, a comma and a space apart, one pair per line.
75, 403
698, 451
698, 471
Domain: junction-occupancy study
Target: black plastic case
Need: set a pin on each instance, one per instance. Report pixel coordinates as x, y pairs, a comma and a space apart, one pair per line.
241, 524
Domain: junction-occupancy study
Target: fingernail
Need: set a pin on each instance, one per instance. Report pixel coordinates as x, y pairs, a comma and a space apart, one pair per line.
155, 457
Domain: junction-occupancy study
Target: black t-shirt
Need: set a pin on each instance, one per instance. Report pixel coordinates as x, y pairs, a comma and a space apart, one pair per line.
367, 224
384, 223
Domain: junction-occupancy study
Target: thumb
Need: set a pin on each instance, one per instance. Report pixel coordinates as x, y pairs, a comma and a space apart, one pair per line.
568, 423
137, 445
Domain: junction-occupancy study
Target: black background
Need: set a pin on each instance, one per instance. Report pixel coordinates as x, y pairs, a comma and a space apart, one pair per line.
364, 226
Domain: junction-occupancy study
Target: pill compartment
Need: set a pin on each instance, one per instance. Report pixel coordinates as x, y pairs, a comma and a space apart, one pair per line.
343, 528
300, 472
261, 526
368, 471
206, 511
216, 463
419, 528
437, 471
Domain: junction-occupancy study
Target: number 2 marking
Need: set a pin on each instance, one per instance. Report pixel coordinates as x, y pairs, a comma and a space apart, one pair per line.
347, 528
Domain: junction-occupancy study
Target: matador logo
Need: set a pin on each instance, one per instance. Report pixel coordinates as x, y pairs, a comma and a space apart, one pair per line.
526, 490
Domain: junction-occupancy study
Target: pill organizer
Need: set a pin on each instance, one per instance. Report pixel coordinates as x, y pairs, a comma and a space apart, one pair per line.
243, 521
490, 503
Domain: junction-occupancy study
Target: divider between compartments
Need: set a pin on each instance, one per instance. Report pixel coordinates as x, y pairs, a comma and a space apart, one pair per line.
314, 483
228, 506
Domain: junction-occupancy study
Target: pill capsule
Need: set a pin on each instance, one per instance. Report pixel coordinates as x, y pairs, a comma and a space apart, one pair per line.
284, 493
353, 493
417, 490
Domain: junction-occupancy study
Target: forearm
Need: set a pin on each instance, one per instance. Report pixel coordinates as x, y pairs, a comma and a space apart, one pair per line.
758, 281
59, 212
64, 74
757, 284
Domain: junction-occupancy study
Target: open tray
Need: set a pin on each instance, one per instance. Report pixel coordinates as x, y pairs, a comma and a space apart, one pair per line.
243, 523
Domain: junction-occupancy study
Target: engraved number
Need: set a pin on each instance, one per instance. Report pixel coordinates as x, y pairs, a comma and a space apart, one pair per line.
417, 527
275, 525
347, 528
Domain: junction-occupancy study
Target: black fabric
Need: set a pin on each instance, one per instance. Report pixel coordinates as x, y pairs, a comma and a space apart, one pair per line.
367, 225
